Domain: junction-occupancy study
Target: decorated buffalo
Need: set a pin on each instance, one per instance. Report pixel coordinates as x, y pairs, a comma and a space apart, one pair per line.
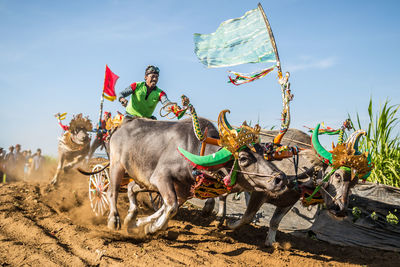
73, 146
147, 151
326, 177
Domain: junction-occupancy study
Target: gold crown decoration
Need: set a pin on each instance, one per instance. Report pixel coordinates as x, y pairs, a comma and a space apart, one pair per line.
79, 121
345, 155
233, 139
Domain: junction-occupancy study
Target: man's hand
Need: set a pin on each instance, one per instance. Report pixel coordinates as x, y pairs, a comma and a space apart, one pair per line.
123, 101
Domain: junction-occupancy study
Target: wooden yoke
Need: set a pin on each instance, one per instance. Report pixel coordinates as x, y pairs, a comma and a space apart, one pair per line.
278, 138
208, 140
282, 152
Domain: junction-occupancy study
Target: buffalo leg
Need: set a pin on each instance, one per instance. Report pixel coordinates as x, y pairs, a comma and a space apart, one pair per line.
208, 206
59, 170
279, 213
159, 220
222, 209
255, 203
98, 141
130, 219
117, 173
171, 208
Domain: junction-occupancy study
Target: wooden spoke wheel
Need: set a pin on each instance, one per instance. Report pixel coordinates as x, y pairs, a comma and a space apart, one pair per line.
98, 186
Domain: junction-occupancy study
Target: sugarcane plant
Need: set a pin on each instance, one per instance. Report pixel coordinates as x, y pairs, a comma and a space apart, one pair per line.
383, 142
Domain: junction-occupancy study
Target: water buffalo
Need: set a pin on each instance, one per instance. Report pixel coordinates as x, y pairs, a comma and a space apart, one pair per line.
335, 180
147, 151
73, 146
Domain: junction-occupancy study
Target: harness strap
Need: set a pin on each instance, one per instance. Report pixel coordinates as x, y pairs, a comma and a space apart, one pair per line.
295, 152
319, 186
326, 178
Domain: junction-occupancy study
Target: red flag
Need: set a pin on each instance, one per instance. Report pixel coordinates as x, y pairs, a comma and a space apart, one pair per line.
109, 84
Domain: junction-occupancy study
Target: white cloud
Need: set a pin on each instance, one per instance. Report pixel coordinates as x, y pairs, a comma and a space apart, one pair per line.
308, 63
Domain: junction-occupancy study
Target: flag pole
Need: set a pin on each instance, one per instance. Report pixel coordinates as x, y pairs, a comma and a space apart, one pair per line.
102, 100
285, 85
101, 109
271, 36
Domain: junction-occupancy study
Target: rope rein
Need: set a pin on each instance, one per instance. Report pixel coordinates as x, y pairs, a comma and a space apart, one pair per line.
256, 174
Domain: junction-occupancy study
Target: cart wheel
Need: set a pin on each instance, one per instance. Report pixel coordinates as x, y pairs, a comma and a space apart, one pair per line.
98, 186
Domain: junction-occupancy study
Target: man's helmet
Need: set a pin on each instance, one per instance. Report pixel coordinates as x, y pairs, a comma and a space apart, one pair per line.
152, 69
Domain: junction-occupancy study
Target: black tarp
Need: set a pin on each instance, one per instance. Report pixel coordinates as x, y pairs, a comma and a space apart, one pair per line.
371, 228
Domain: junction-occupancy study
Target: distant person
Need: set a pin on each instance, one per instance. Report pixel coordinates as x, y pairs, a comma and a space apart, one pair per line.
2, 157
37, 163
28, 162
101, 134
19, 162
144, 96
9, 162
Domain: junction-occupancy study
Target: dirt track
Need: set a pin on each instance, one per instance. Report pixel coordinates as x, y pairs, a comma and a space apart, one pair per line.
57, 228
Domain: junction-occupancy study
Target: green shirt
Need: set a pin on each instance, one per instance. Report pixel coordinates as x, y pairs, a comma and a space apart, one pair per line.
141, 106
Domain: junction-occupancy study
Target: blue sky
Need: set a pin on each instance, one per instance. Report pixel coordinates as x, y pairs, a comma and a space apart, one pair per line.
53, 55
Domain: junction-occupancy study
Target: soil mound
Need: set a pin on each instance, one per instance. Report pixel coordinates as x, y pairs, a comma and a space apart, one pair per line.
40, 225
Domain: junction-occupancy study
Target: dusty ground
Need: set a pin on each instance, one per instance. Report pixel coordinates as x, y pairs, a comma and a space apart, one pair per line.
57, 228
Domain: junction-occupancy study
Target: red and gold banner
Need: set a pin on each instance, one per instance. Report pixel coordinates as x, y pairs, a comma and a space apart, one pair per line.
109, 84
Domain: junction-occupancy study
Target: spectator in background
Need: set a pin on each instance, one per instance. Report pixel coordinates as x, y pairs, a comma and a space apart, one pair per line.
2, 157
27, 163
9, 163
37, 163
19, 162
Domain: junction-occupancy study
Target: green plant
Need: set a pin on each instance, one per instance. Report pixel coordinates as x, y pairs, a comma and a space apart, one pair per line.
383, 143
392, 219
356, 212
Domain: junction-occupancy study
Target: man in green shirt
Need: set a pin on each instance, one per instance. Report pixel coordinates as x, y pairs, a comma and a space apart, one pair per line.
144, 96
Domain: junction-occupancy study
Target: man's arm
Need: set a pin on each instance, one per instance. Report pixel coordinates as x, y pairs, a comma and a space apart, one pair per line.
164, 99
126, 92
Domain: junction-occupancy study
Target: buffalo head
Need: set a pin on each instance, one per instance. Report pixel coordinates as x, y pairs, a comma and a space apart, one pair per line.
346, 166
258, 174
79, 129
241, 159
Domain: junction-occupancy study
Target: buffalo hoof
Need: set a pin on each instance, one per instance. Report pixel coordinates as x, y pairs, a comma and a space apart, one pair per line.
137, 231
114, 223
234, 225
207, 209
54, 182
270, 244
270, 240
146, 224
130, 220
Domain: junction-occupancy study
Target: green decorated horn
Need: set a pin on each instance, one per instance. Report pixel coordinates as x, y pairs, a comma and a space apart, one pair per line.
369, 159
322, 153
211, 161
352, 141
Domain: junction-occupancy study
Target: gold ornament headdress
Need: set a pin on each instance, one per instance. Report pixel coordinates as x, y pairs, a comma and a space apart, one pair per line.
346, 155
233, 139
79, 121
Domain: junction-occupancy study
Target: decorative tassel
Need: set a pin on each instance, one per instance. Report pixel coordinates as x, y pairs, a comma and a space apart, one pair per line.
242, 78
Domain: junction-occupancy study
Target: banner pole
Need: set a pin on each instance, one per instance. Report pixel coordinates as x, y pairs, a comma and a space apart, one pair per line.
271, 36
101, 110
285, 85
